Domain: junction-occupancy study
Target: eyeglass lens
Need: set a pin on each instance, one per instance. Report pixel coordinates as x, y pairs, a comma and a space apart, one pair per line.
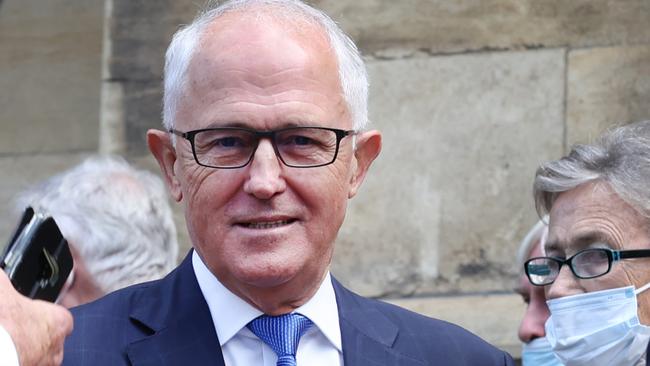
585, 264
304, 146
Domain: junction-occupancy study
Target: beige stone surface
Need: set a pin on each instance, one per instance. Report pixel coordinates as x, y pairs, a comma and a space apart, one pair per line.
140, 33
383, 29
606, 86
20, 173
49, 75
388, 28
445, 205
494, 318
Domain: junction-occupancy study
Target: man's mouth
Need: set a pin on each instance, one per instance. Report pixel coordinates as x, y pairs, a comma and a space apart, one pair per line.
267, 224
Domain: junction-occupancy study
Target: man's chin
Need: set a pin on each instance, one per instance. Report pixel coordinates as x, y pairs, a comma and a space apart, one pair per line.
268, 280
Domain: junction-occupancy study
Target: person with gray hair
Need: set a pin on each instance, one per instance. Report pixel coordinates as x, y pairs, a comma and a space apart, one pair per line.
532, 323
265, 110
117, 220
536, 350
596, 266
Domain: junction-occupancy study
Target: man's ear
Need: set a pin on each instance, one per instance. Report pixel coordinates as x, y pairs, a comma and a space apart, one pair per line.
368, 146
162, 149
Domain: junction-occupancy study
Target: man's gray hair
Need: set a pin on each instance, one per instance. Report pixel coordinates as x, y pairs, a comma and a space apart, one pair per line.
536, 235
352, 71
620, 158
116, 217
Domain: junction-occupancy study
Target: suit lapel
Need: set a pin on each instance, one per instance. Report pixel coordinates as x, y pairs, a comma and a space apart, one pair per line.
178, 320
368, 336
180, 329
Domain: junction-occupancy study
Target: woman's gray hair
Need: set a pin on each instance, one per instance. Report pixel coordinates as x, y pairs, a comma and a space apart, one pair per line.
620, 158
352, 70
116, 217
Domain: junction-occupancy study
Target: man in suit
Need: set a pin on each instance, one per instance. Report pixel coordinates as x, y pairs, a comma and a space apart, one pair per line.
265, 107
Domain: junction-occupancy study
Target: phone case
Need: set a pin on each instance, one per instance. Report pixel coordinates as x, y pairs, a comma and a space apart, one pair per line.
37, 259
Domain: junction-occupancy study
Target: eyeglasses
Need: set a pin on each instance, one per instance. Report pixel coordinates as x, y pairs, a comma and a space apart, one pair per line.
234, 147
588, 263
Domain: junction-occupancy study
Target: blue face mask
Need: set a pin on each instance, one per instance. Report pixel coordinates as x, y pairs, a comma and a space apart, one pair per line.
598, 328
538, 352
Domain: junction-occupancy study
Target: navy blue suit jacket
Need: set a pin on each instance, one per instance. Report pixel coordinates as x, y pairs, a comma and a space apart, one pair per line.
167, 322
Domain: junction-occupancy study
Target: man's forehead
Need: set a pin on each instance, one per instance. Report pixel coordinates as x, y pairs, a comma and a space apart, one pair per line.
252, 71
259, 48
251, 23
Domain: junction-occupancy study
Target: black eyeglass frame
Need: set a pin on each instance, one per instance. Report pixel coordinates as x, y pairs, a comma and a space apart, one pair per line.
612, 256
258, 135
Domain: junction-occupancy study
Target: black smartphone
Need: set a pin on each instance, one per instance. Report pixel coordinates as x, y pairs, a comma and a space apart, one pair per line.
37, 259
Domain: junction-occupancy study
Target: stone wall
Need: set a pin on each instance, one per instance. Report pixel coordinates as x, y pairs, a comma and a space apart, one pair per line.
470, 95
50, 59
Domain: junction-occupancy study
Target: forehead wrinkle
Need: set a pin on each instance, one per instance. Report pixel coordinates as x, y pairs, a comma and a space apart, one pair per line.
233, 95
234, 108
266, 79
588, 213
234, 76
600, 226
581, 239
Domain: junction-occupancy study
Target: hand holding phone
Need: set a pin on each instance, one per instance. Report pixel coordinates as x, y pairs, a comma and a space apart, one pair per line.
37, 328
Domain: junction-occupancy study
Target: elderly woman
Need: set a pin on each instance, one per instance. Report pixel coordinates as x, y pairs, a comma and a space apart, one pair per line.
597, 256
536, 349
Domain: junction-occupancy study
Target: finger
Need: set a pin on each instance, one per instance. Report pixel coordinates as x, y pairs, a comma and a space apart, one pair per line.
4, 280
67, 322
58, 359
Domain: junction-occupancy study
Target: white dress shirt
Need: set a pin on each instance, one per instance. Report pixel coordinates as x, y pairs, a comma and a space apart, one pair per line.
8, 355
319, 346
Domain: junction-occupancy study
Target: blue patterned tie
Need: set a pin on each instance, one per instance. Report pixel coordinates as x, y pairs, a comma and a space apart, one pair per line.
282, 333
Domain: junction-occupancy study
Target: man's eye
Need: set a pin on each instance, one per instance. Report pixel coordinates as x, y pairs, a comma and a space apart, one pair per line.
228, 142
297, 140
302, 140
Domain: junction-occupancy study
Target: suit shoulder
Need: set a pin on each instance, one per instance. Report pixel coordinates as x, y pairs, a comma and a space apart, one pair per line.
114, 303
437, 339
103, 327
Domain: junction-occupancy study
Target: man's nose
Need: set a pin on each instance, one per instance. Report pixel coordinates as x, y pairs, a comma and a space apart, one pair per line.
565, 284
532, 325
265, 178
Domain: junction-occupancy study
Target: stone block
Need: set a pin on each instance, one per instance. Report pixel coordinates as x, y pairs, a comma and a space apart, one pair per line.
606, 86
496, 319
388, 28
140, 33
142, 111
446, 203
50, 72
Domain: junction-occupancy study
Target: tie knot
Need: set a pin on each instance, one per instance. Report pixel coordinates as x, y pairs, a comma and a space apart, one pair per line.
282, 333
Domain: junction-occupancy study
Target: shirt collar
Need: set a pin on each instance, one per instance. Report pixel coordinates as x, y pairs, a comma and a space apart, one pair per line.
230, 313
323, 311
